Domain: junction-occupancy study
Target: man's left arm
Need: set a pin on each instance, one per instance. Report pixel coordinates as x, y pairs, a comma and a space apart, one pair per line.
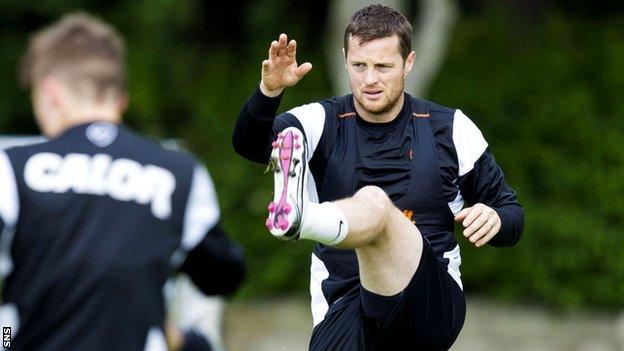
494, 215
214, 263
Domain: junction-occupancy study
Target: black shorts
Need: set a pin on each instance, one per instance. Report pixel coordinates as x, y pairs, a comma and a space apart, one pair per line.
427, 315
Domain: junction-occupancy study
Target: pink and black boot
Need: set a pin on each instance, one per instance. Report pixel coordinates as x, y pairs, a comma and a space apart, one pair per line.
289, 164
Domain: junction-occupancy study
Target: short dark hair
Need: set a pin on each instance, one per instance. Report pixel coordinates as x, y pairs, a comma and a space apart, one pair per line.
379, 21
81, 49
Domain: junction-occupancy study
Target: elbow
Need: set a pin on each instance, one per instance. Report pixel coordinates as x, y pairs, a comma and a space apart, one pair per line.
247, 152
510, 240
518, 228
235, 279
238, 146
238, 140
223, 280
217, 274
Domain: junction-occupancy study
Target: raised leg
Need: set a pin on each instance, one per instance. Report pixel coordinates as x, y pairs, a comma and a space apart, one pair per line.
388, 245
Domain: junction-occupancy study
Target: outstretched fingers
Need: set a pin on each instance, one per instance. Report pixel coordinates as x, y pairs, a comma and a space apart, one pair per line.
278, 47
291, 49
280, 70
273, 49
282, 43
303, 69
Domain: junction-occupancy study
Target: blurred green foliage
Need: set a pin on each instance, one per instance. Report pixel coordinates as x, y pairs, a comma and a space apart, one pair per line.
547, 96
545, 91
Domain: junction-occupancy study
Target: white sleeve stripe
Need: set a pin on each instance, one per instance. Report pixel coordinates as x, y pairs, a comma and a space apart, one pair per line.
202, 209
469, 142
457, 204
9, 199
312, 118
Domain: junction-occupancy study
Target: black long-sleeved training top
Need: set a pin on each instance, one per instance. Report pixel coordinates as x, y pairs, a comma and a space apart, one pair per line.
430, 160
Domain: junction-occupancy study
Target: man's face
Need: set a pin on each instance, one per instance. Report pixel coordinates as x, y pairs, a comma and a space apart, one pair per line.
377, 73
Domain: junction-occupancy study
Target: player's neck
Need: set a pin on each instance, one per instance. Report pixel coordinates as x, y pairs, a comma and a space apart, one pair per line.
69, 121
382, 117
91, 112
93, 117
53, 125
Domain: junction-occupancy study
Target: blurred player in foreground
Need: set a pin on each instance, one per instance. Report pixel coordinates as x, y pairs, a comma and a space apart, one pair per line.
96, 219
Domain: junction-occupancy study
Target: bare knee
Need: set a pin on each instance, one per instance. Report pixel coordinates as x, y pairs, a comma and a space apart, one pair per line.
378, 202
375, 197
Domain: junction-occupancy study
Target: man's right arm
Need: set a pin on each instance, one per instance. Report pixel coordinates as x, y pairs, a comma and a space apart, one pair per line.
253, 133
254, 129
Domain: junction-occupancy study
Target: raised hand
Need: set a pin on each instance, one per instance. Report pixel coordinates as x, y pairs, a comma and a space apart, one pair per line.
280, 70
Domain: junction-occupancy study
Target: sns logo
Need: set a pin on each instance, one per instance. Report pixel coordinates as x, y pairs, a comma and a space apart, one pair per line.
122, 179
6, 337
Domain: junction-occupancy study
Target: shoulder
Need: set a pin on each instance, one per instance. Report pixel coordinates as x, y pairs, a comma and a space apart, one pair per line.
152, 150
439, 116
329, 107
438, 111
449, 122
338, 106
24, 148
440, 119
316, 119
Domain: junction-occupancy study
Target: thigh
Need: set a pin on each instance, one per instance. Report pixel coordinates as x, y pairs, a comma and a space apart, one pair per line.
387, 265
429, 314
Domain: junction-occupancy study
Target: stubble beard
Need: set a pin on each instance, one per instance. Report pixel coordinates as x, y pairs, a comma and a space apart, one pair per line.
382, 109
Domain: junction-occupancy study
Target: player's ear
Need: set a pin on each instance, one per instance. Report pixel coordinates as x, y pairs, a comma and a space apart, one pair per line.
409, 62
344, 57
51, 91
48, 105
